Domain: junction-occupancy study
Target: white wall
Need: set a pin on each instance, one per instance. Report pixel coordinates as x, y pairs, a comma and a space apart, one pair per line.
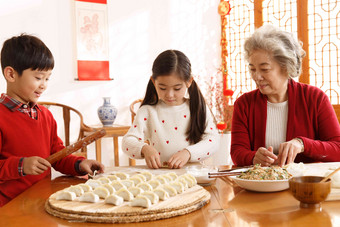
138, 31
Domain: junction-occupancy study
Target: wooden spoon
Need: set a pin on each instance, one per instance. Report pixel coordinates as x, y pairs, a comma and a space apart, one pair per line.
329, 175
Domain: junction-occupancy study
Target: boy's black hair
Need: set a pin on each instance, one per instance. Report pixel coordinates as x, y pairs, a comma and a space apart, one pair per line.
26, 52
174, 61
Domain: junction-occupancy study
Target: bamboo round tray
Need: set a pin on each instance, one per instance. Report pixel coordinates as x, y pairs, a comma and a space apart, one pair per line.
190, 200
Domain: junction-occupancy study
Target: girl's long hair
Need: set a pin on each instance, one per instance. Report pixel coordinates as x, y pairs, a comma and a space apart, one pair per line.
174, 61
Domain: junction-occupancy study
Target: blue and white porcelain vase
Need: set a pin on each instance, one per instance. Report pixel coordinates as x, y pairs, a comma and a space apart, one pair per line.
107, 113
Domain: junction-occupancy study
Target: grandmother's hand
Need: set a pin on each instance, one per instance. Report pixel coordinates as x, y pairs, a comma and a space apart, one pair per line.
288, 151
265, 156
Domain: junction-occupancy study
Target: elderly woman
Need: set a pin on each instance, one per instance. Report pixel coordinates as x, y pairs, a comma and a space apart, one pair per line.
282, 121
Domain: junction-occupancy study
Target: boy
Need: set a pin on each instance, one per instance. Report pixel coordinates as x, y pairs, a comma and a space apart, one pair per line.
28, 132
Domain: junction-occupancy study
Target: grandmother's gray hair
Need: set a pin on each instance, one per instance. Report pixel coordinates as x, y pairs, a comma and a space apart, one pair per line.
286, 50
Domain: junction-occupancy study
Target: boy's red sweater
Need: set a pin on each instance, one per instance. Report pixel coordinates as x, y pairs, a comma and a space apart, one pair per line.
21, 136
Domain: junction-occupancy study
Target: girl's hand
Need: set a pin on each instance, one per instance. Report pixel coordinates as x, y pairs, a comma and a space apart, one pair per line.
152, 158
35, 165
264, 156
179, 159
89, 166
288, 151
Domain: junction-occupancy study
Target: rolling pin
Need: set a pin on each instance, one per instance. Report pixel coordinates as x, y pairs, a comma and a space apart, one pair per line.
76, 146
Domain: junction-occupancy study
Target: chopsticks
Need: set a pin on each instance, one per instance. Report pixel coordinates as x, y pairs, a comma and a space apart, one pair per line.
235, 168
223, 174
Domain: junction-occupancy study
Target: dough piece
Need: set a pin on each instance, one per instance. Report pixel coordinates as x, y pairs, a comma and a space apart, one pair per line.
136, 179
178, 186
183, 182
114, 199
145, 186
152, 196
135, 190
85, 187
113, 177
169, 189
102, 192
65, 195
104, 180
162, 194
122, 176
76, 189
128, 183
147, 174
167, 178
154, 183
161, 179
93, 183
110, 188
117, 185
89, 197
141, 201
125, 194
141, 176
172, 175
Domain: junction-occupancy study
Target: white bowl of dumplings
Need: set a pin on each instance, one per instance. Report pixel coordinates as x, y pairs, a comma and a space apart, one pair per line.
142, 189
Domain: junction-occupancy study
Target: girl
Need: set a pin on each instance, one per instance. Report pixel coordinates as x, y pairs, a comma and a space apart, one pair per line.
178, 126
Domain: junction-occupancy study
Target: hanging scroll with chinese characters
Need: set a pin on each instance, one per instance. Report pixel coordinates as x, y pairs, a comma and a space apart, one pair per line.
92, 40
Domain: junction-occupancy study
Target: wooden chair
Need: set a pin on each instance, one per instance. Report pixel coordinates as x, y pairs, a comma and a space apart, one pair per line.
132, 108
67, 112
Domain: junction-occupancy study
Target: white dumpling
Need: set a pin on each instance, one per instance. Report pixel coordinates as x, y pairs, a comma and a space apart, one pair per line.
85, 187
162, 194
183, 182
172, 175
128, 183
189, 181
152, 196
113, 177
122, 175
154, 183
191, 177
93, 183
147, 174
178, 186
145, 186
161, 179
102, 192
117, 185
78, 190
169, 189
104, 180
167, 178
110, 188
125, 194
141, 176
141, 201
65, 195
114, 199
89, 197
136, 180
135, 190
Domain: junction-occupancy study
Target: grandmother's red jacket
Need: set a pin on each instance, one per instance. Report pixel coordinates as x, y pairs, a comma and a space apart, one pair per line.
22, 136
311, 118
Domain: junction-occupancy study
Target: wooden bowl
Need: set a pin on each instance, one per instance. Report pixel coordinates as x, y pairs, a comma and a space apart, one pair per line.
309, 191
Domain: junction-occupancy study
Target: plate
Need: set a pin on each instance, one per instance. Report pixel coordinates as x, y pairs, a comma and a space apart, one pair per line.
261, 185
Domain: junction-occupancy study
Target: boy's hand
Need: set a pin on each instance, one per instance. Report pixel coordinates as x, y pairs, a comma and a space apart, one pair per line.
89, 166
179, 159
35, 165
152, 157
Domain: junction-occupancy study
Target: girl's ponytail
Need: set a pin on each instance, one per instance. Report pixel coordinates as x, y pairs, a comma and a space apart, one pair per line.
197, 114
151, 97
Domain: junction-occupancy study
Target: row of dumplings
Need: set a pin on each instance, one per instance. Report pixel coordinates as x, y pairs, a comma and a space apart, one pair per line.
142, 189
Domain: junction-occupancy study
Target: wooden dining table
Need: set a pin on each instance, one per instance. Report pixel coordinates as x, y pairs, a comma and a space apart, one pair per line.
229, 205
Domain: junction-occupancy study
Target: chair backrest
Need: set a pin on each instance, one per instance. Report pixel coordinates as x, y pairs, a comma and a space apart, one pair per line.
67, 111
132, 108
